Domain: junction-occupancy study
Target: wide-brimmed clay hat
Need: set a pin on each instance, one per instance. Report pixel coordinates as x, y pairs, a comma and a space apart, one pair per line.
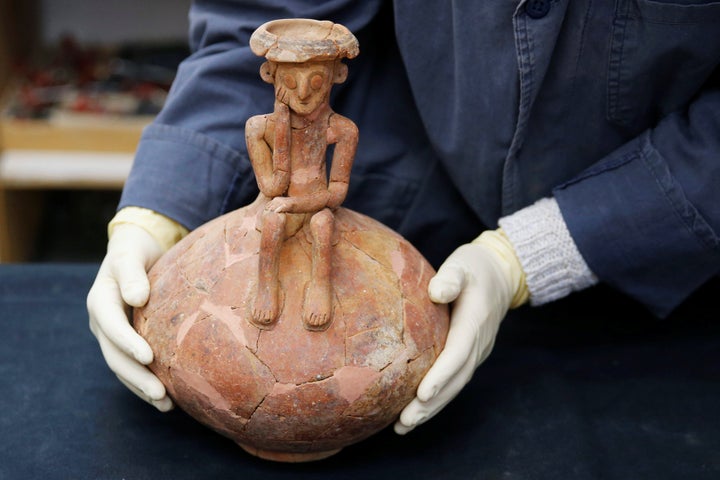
299, 40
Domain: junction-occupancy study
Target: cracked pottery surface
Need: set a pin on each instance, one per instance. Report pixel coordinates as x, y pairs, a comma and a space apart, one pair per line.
289, 392
282, 387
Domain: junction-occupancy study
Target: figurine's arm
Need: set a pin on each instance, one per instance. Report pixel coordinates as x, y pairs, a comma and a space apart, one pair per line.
281, 148
344, 133
271, 167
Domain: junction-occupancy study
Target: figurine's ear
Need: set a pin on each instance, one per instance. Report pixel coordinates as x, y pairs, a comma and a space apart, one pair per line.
267, 71
340, 73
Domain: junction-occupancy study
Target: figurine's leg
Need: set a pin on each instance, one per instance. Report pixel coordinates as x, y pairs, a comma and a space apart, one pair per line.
317, 310
266, 307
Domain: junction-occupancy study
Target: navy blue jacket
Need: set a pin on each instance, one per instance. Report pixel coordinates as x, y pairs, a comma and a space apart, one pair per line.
471, 110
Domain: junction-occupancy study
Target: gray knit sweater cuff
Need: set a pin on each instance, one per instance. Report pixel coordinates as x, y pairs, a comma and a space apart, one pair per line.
553, 265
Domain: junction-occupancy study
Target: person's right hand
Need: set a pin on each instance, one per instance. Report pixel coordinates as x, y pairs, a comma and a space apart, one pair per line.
122, 283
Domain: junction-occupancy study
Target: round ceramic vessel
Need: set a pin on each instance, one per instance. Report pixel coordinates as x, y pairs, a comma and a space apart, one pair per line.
286, 393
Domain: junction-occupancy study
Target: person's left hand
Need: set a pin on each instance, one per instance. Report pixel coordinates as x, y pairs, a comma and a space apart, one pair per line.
483, 279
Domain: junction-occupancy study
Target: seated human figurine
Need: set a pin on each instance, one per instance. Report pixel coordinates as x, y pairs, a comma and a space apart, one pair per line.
287, 149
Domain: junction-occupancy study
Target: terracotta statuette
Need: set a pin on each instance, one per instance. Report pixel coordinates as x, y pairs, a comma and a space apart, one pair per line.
287, 149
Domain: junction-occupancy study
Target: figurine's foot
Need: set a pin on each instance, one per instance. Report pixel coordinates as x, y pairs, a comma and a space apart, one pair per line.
264, 313
263, 318
316, 321
317, 310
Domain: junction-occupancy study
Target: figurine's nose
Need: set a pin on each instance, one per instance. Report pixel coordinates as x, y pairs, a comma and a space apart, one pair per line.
304, 89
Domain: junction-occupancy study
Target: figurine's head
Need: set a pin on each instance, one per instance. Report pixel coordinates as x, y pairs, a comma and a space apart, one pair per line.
303, 59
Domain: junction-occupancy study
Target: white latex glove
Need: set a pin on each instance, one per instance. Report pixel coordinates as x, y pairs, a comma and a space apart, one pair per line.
483, 279
122, 283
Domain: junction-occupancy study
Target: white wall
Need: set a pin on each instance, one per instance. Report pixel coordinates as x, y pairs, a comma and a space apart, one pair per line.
114, 21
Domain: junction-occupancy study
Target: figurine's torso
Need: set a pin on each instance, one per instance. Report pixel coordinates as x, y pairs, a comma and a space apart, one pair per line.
308, 144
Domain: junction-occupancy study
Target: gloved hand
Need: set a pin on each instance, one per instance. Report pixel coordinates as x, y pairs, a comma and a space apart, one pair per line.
483, 279
122, 283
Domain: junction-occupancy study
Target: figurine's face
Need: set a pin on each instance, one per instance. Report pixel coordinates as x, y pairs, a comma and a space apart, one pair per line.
304, 87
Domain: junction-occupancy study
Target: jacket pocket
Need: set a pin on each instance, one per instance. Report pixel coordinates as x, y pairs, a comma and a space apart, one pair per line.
661, 55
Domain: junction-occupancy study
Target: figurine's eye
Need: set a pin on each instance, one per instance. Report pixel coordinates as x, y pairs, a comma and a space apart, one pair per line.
316, 81
289, 81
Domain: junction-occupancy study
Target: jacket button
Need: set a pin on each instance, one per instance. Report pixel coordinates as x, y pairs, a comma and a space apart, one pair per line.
537, 8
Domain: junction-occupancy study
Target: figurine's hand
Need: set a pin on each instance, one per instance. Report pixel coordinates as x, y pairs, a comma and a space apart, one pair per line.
280, 205
482, 279
121, 283
281, 150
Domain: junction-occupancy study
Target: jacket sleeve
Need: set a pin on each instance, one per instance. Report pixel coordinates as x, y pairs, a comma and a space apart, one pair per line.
646, 218
191, 162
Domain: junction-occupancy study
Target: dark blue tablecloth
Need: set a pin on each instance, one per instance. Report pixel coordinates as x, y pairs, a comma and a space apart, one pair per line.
591, 387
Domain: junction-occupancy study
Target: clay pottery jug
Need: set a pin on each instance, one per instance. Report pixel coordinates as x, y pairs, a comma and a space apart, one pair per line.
294, 326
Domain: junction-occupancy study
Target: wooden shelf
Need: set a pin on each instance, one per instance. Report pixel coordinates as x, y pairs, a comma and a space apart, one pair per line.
90, 134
